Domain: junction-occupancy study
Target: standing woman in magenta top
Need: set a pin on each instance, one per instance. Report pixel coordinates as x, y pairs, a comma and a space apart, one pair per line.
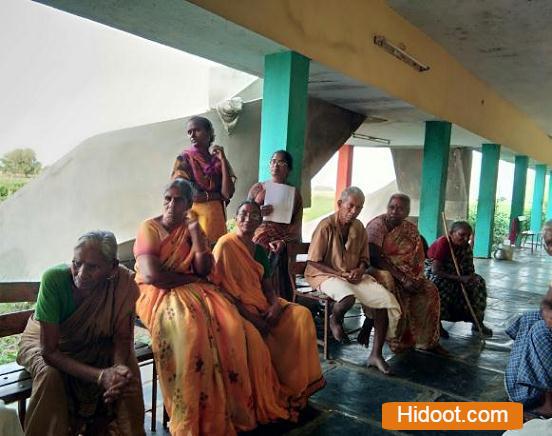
210, 174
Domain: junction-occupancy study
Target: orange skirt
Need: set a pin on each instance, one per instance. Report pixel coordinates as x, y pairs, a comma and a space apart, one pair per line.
212, 218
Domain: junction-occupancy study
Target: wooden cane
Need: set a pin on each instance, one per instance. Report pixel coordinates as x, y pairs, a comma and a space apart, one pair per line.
458, 272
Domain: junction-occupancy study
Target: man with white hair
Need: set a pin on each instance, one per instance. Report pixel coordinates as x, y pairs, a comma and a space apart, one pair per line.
337, 263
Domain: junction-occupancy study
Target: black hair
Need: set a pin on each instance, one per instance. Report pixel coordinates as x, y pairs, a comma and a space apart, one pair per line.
206, 124
288, 158
251, 203
401, 197
457, 225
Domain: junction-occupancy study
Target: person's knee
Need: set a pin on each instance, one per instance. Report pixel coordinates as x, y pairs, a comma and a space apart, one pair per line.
49, 377
383, 277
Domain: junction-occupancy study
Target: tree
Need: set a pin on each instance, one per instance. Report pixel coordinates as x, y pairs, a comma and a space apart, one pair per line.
21, 161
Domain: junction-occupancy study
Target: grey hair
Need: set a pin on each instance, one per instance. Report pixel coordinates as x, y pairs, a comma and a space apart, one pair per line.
352, 190
400, 196
105, 240
547, 225
184, 187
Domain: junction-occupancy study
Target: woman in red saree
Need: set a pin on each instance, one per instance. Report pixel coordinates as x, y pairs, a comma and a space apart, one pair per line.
273, 236
210, 174
397, 256
287, 329
198, 337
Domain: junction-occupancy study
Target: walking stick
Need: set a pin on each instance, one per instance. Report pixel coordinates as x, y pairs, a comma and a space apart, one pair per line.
458, 272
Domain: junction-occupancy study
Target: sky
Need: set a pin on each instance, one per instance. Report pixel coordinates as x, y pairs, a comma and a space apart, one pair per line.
64, 79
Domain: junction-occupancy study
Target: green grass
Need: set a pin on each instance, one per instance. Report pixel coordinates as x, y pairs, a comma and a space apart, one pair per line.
323, 202
10, 184
8, 345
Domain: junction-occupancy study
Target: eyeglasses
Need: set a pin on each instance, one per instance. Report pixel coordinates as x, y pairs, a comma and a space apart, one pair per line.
251, 216
278, 163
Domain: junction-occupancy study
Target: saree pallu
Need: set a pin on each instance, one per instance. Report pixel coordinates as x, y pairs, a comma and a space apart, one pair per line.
453, 303
270, 231
61, 402
528, 374
211, 216
198, 341
402, 246
205, 173
291, 343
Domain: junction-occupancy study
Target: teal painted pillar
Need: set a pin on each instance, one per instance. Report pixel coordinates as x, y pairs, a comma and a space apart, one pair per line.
518, 192
284, 110
549, 208
538, 197
434, 178
486, 201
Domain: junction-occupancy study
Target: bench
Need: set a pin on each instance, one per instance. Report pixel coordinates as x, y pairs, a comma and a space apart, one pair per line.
16, 382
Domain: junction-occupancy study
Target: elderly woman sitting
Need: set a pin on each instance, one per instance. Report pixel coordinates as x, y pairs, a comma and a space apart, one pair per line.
284, 332
441, 271
78, 346
197, 335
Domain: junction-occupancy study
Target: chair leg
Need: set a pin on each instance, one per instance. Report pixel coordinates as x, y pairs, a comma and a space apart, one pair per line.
326, 327
154, 398
21, 410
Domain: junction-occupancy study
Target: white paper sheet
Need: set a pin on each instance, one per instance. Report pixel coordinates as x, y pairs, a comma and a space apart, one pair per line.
281, 197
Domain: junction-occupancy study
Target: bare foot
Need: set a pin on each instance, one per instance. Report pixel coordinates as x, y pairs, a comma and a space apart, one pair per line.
337, 329
363, 337
379, 363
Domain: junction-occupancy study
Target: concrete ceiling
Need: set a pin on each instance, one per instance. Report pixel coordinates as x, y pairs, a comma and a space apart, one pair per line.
187, 27
503, 42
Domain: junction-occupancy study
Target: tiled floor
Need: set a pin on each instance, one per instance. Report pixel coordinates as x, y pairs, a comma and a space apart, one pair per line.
351, 402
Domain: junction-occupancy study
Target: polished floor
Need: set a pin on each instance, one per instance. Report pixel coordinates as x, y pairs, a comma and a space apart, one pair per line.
351, 402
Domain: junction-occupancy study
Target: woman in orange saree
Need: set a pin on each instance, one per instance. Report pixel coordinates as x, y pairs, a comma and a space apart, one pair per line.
273, 236
287, 329
210, 174
198, 338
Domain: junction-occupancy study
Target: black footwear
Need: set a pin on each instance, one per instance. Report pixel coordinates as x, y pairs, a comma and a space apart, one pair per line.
486, 330
442, 332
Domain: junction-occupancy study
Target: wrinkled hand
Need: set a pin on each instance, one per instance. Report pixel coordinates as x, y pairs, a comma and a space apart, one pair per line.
218, 152
277, 246
273, 314
266, 209
114, 381
355, 275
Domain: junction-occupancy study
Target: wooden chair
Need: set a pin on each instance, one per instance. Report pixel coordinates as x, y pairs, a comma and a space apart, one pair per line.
301, 288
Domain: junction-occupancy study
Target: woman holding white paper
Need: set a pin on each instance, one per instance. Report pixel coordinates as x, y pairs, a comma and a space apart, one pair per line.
274, 235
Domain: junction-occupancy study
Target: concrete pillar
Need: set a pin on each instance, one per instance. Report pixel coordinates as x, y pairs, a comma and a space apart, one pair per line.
538, 197
284, 110
486, 200
434, 178
518, 190
549, 207
344, 169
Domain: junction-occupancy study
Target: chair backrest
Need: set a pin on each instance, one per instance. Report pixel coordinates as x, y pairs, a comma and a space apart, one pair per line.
16, 292
297, 267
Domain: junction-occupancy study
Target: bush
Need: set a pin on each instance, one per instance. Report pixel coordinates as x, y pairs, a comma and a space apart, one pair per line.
501, 228
10, 185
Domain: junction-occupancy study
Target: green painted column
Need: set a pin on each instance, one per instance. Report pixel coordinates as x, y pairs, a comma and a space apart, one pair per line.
518, 192
486, 201
549, 207
284, 110
538, 197
434, 178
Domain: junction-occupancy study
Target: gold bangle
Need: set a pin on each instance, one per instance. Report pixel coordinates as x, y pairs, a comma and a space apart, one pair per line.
99, 380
